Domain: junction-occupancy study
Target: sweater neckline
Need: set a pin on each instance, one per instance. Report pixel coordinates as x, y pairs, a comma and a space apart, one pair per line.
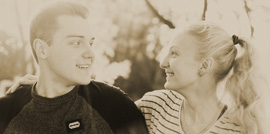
56, 100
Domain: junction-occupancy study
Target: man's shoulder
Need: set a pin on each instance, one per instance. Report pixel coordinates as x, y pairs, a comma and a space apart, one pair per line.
115, 106
11, 104
16, 100
106, 87
22, 93
101, 89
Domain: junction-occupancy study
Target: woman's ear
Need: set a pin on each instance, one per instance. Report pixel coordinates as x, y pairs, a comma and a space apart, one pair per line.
40, 48
206, 66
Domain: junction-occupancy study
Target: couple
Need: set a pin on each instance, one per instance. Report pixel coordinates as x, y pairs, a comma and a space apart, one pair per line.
65, 100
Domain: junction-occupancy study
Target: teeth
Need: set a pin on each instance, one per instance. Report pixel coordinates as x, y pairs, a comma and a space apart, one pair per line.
83, 66
170, 74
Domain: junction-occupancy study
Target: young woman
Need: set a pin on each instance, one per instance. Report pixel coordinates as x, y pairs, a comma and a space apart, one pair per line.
200, 57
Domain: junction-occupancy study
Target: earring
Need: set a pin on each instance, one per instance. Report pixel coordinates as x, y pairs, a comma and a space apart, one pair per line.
200, 72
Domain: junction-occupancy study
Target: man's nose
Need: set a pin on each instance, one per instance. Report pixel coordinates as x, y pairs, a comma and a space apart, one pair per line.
88, 53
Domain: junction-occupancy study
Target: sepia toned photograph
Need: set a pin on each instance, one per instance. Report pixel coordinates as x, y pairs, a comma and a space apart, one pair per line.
134, 66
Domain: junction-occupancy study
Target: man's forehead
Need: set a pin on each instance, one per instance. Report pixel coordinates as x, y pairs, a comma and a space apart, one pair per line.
72, 20
75, 26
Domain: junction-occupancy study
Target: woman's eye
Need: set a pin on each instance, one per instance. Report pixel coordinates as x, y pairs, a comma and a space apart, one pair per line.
173, 53
91, 43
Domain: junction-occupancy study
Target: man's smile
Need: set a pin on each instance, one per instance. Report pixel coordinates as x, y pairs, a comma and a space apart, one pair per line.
83, 66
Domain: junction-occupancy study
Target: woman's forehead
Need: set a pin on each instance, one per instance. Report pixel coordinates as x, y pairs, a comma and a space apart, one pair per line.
183, 40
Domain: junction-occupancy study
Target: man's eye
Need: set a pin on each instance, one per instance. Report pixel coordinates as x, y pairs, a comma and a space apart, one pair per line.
76, 43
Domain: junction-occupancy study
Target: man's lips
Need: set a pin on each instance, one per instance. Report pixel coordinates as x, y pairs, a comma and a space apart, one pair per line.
83, 66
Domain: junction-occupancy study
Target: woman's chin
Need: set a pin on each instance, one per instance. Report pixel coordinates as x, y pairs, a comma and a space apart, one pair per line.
168, 86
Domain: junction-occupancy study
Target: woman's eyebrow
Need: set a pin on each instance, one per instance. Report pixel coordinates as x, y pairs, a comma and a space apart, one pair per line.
174, 47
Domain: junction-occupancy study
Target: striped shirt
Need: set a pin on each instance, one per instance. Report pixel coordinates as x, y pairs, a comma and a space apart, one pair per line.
161, 109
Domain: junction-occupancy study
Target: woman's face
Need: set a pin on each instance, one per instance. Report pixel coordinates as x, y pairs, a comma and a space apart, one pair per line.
182, 63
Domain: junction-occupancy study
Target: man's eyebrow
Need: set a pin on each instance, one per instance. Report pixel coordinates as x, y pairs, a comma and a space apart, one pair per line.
78, 36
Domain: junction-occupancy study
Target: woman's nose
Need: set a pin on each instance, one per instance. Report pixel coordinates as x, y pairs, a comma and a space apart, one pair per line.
164, 63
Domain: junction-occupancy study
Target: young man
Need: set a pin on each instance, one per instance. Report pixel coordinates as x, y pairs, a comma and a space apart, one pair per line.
63, 101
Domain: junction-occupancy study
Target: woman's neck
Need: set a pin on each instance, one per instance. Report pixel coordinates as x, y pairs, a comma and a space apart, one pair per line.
198, 105
201, 107
201, 95
201, 100
198, 119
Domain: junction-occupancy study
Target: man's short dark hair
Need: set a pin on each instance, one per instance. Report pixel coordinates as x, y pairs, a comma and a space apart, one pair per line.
44, 24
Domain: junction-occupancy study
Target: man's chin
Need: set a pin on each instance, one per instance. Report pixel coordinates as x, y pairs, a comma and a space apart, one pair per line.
84, 82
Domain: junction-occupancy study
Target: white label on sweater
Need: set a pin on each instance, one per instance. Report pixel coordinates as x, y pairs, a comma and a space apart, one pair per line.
74, 125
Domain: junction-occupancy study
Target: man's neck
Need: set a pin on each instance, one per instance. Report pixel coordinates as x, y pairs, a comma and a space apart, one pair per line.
51, 89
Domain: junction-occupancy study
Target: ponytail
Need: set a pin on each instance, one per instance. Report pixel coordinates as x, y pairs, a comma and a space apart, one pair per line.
236, 68
240, 86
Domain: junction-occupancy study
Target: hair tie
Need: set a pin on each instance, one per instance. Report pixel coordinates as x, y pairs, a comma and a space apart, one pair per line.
235, 39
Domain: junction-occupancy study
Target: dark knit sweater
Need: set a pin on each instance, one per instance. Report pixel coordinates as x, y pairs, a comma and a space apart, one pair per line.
96, 108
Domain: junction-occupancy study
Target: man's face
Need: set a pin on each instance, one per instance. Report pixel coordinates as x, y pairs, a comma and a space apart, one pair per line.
70, 56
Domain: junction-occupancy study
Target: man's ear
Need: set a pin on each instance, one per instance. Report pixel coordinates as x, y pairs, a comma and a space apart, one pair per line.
40, 48
206, 66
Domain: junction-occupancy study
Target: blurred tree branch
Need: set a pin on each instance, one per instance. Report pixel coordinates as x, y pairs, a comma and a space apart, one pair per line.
247, 9
22, 52
162, 19
18, 22
204, 10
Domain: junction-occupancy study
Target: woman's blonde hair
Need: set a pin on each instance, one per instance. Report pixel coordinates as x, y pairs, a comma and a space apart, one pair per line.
217, 43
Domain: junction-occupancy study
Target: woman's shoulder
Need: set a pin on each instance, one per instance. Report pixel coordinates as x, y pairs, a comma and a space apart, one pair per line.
228, 123
157, 93
160, 98
164, 94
